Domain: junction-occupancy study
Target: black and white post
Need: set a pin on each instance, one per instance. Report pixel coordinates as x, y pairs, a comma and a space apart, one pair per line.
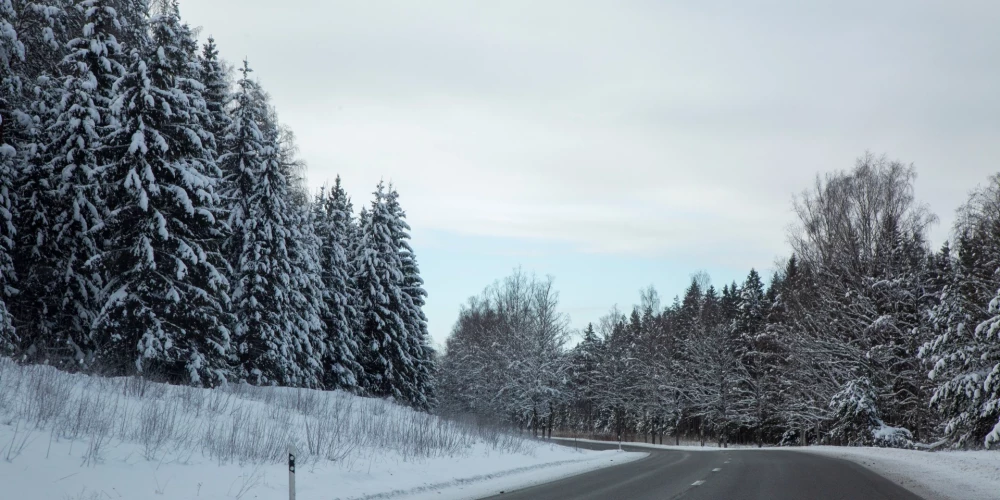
291, 471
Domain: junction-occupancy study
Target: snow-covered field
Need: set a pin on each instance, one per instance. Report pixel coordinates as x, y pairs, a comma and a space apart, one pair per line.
76, 437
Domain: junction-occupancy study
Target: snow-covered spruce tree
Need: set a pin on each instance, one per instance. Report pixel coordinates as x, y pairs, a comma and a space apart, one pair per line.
988, 332
216, 91
333, 225
60, 289
308, 289
413, 288
750, 324
166, 294
685, 320
33, 39
965, 353
386, 350
133, 14
11, 49
278, 328
43, 27
759, 353
858, 421
583, 372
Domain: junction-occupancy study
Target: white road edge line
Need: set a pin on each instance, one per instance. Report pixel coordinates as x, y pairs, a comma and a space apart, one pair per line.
697, 483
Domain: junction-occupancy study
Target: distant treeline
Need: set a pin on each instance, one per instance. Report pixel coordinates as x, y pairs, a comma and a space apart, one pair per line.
865, 336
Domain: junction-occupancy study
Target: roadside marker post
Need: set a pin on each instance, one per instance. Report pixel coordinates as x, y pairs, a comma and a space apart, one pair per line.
291, 471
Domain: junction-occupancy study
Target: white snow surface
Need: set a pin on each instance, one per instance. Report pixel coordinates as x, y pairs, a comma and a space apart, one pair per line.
960, 475
74, 437
57, 474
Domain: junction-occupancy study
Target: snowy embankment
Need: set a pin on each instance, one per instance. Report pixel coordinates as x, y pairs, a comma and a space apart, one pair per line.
934, 475
65, 436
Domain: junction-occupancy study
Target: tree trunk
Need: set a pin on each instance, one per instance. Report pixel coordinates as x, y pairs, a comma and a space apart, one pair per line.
534, 421
552, 419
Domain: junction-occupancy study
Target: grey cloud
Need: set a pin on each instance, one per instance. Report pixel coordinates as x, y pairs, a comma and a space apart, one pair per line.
632, 127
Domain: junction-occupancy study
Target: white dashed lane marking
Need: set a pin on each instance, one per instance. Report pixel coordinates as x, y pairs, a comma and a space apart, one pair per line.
697, 483
716, 470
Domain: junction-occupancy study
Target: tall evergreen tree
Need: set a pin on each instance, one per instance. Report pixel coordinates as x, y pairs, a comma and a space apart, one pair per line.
965, 352
166, 295
60, 288
412, 286
334, 228
11, 50
216, 91
584, 360
133, 16
386, 350
278, 326
37, 37
757, 353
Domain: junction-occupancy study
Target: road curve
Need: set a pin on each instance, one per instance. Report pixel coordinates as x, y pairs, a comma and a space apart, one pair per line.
724, 474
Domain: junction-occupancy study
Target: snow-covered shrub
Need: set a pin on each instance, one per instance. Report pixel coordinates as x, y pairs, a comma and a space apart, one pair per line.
857, 421
855, 413
792, 437
892, 437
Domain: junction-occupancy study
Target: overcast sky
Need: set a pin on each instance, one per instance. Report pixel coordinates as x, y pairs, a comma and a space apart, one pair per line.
617, 144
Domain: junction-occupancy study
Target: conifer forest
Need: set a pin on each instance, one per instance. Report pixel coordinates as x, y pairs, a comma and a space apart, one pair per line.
154, 219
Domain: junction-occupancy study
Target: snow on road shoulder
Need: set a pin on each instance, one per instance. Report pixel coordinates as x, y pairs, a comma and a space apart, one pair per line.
466, 479
965, 475
75, 437
48, 469
683, 447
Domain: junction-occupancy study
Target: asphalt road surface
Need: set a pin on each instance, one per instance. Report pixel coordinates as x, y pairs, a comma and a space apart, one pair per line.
726, 475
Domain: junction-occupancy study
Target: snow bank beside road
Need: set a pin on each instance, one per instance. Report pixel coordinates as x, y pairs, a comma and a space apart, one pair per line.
709, 446
73, 437
47, 469
960, 475
465, 480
